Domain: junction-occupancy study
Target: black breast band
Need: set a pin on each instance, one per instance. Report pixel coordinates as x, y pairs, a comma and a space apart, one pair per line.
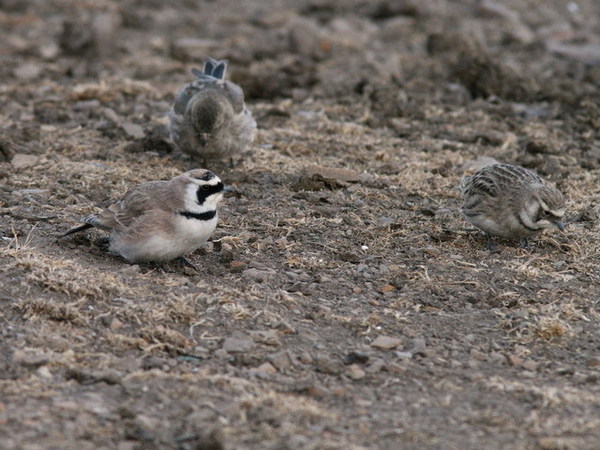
199, 216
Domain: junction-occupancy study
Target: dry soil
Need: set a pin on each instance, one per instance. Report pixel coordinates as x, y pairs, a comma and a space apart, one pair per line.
343, 302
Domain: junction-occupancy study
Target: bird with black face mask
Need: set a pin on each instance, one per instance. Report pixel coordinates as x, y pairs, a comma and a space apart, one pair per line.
160, 221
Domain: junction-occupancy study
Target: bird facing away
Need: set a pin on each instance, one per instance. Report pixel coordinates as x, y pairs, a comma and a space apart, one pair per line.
511, 202
209, 118
159, 221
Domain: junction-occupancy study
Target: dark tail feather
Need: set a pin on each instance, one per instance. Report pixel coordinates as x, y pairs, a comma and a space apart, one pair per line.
212, 68
209, 66
85, 226
219, 70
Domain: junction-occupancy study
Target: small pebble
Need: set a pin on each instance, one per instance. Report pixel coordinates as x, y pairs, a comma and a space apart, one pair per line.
281, 360
326, 364
498, 357
355, 372
28, 71
386, 342
32, 360
259, 275
237, 344
593, 361
376, 366
432, 251
133, 130
476, 354
404, 355
44, 372
529, 365
115, 324
418, 346
22, 161
266, 368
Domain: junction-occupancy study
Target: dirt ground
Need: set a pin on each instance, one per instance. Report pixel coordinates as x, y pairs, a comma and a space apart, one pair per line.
343, 302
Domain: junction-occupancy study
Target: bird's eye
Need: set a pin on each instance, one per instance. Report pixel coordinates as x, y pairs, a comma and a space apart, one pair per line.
206, 176
546, 215
542, 215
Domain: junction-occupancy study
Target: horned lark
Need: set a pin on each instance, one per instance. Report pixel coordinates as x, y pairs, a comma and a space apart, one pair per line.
160, 221
511, 202
209, 119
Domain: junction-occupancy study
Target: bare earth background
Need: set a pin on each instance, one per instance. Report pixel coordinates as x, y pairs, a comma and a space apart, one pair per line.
343, 301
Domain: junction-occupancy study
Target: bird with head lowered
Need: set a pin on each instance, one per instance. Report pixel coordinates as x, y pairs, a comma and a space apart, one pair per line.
511, 202
209, 118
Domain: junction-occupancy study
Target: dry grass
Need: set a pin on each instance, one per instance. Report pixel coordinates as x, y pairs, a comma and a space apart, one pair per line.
550, 394
49, 309
163, 337
551, 327
63, 276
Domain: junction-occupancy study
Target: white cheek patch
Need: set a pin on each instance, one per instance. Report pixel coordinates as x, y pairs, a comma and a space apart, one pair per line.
532, 208
211, 202
190, 198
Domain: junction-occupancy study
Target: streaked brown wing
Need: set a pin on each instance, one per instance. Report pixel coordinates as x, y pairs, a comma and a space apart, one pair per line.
496, 179
518, 174
235, 95
480, 184
150, 222
138, 200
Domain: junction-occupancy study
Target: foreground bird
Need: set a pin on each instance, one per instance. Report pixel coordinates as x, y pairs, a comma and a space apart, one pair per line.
160, 221
511, 202
209, 119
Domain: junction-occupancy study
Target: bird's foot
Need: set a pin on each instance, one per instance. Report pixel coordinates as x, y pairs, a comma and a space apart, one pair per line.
186, 264
525, 244
103, 242
178, 265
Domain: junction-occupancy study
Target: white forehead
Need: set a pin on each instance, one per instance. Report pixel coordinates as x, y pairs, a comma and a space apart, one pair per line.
211, 182
203, 178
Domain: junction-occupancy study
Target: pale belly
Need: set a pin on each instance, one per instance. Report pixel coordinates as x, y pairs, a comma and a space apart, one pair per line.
188, 235
508, 227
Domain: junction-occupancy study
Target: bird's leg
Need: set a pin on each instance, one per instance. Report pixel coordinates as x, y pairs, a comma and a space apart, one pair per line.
180, 264
103, 242
490, 244
187, 263
525, 244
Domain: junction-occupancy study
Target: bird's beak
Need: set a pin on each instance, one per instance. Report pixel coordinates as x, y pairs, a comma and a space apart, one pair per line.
227, 189
560, 225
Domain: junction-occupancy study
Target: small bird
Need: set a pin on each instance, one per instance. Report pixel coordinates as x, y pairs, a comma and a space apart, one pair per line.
160, 221
209, 119
511, 202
